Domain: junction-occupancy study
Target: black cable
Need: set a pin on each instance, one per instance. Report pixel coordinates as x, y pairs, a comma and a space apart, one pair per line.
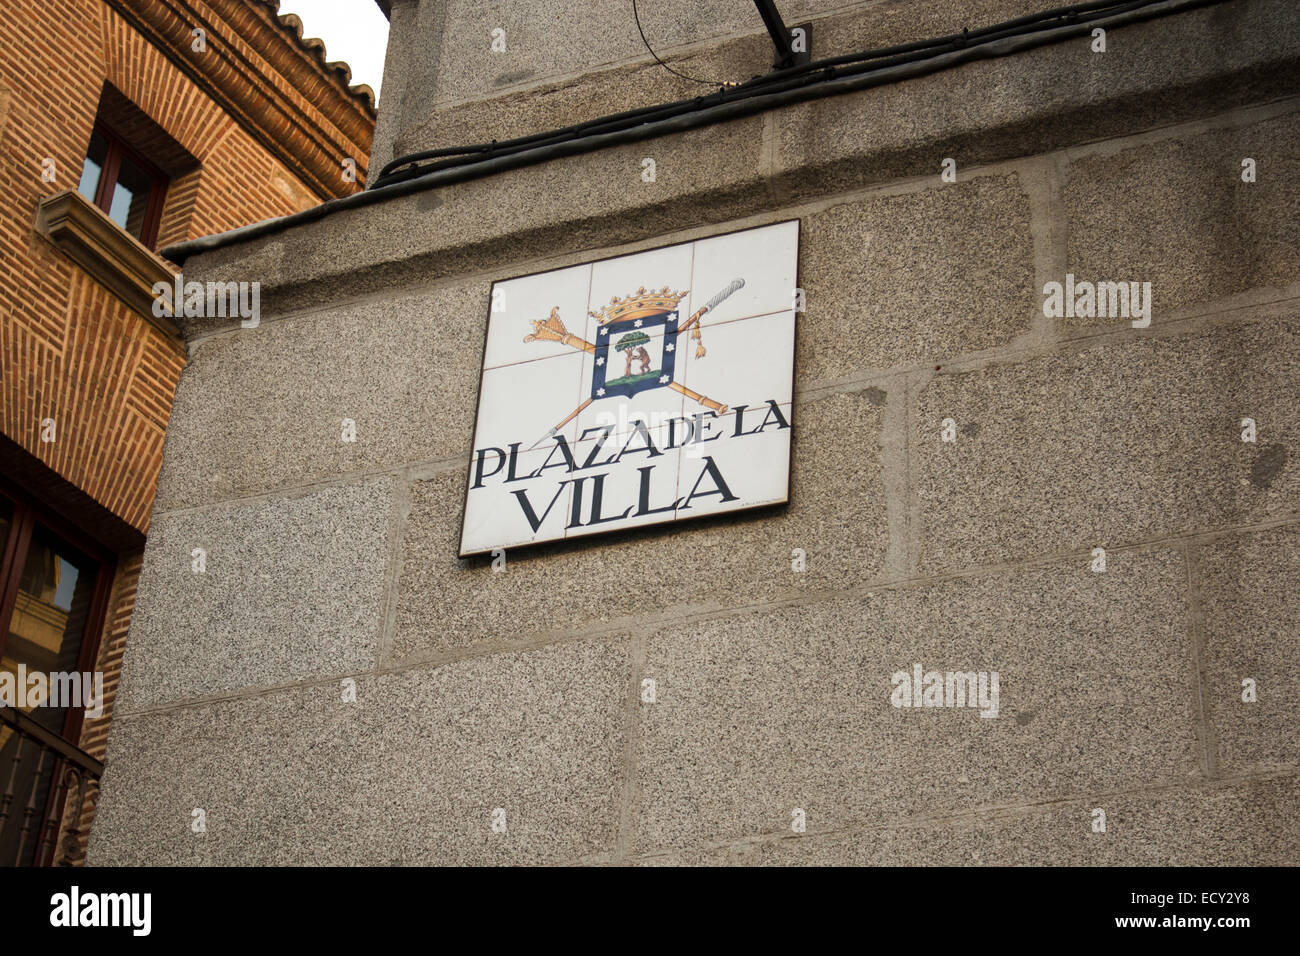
775, 81
719, 107
636, 16
1070, 12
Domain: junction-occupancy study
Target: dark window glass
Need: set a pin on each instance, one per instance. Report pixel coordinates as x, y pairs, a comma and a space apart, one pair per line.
48, 614
49, 617
130, 197
93, 167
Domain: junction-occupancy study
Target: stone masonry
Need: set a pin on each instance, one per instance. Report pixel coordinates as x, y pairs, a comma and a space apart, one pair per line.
1121, 689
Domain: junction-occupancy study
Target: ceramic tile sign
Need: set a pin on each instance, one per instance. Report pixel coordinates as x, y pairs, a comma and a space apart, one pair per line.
644, 389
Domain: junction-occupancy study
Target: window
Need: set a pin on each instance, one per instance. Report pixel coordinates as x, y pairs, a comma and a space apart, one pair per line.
121, 182
52, 598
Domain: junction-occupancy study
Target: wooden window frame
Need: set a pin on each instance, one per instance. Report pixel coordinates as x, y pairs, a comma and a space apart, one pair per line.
27, 514
158, 182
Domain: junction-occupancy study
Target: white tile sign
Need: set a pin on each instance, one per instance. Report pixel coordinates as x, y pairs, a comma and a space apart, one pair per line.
649, 388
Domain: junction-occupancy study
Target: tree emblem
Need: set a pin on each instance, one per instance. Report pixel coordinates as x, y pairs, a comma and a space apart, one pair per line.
634, 340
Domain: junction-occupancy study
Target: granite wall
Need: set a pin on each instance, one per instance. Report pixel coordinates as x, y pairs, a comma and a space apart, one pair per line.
332, 568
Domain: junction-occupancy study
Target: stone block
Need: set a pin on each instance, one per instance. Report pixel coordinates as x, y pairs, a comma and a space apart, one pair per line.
760, 714
408, 773
292, 589
1118, 443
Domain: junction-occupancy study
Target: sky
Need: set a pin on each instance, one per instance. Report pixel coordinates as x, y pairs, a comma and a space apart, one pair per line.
353, 30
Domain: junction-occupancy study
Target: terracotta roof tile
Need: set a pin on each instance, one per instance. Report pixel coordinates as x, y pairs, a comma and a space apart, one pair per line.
336, 69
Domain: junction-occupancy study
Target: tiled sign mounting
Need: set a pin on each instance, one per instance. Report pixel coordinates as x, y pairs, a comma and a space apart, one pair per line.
648, 388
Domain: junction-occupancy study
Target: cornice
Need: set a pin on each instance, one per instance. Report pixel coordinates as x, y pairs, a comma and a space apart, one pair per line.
251, 56
109, 255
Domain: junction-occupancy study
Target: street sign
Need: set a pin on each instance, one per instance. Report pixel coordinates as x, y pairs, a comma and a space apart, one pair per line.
642, 389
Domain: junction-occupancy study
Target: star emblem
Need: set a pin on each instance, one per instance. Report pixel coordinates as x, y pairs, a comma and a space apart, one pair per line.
669, 347
600, 361
600, 392
663, 379
638, 323
604, 331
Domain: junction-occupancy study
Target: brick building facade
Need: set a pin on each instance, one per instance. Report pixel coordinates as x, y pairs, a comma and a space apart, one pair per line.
126, 126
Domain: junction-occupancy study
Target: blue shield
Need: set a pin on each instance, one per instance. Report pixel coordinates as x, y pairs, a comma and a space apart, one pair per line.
650, 341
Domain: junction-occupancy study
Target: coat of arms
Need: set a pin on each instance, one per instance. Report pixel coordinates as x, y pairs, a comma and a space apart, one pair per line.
636, 346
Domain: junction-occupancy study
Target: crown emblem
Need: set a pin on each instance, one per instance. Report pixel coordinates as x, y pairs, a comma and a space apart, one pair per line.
639, 306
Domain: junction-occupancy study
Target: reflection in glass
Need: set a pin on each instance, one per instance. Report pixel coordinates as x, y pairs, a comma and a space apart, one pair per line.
49, 616
130, 197
45, 634
93, 167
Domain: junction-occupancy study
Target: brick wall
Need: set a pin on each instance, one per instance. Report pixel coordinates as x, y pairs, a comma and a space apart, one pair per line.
70, 350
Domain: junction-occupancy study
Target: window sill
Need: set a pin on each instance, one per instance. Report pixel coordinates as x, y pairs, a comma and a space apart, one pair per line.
110, 255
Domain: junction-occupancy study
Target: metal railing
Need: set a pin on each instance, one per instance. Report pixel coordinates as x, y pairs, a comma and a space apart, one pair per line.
38, 772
